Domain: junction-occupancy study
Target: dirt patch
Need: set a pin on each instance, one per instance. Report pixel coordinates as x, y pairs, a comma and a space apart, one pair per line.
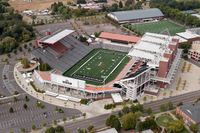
22, 5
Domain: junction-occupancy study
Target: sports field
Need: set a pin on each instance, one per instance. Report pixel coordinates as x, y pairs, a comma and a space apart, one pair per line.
163, 26
99, 67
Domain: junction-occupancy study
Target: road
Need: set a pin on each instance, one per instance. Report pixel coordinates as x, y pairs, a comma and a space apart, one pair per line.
99, 121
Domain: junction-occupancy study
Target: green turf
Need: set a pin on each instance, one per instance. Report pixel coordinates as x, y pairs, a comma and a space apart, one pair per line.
99, 67
164, 120
157, 27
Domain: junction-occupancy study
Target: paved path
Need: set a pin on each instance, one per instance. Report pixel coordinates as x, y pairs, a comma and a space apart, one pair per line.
88, 109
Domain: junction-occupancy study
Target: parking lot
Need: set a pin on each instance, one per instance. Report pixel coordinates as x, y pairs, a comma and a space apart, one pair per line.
21, 117
25, 118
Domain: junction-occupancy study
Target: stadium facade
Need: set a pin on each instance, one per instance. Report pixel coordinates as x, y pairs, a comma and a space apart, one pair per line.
157, 60
135, 16
154, 61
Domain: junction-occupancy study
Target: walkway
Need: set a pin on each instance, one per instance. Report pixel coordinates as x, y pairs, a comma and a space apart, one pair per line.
94, 109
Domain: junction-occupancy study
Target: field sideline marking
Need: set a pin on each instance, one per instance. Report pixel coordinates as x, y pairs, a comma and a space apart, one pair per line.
85, 63
114, 69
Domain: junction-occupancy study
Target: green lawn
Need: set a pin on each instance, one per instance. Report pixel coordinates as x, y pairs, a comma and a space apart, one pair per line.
99, 67
165, 120
163, 26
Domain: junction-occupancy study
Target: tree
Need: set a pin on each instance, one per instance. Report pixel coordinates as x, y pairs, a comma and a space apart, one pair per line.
33, 126
120, 4
82, 130
81, 2
129, 121
113, 122
11, 110
25, 63
176, 126
25, 106
26, 98
114, 7
90, 128
149, 111
84, 115
185, 47
170, 106
20, 49
8, 44
148, 123
136, 108
23, 130
194, 128
130, 3
59, 129
50, 130
125, 110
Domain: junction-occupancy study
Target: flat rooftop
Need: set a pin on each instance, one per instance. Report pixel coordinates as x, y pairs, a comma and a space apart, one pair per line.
51, 39
188, 35
119, 37
137, 14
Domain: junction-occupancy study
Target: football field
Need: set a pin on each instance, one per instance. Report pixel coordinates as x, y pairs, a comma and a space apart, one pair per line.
99, 67
163, 26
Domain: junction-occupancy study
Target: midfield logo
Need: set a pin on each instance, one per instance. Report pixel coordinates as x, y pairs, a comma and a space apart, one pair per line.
67, 82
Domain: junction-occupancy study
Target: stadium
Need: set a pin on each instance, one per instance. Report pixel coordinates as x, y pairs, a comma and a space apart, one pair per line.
104, 68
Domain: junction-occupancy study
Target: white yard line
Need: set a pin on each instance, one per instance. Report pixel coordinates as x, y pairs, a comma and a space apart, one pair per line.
85, 63
114, 69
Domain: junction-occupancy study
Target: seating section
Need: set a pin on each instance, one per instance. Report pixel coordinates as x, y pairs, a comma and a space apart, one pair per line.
58, 47
115, 47
68, 59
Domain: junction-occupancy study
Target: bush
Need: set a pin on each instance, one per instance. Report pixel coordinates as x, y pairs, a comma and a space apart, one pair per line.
109, 106
84, 101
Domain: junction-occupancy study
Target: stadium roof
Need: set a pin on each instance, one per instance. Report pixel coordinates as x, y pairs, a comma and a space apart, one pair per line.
152, 47
137, 14
187, 35
57, 36
119, 37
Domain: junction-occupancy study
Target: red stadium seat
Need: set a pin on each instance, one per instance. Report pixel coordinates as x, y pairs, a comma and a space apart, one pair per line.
58, 47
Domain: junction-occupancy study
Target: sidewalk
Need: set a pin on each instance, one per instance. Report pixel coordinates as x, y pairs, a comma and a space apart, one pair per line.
94, 109
185, 81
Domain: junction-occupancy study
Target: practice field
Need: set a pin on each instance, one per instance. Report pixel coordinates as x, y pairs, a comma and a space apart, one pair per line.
163, 26
99, 67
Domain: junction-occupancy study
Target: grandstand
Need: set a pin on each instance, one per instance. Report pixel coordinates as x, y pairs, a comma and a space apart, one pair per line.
61, 50
116, 42
100, 69
157, 60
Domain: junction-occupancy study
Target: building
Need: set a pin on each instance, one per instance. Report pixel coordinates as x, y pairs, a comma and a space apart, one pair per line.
190, 113
194, 52
133, 16
154, 61
118, 41
67, 88
189, 36
157, 59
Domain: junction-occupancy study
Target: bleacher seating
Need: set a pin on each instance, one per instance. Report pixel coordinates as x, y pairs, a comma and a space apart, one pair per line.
58, 47
69, 58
